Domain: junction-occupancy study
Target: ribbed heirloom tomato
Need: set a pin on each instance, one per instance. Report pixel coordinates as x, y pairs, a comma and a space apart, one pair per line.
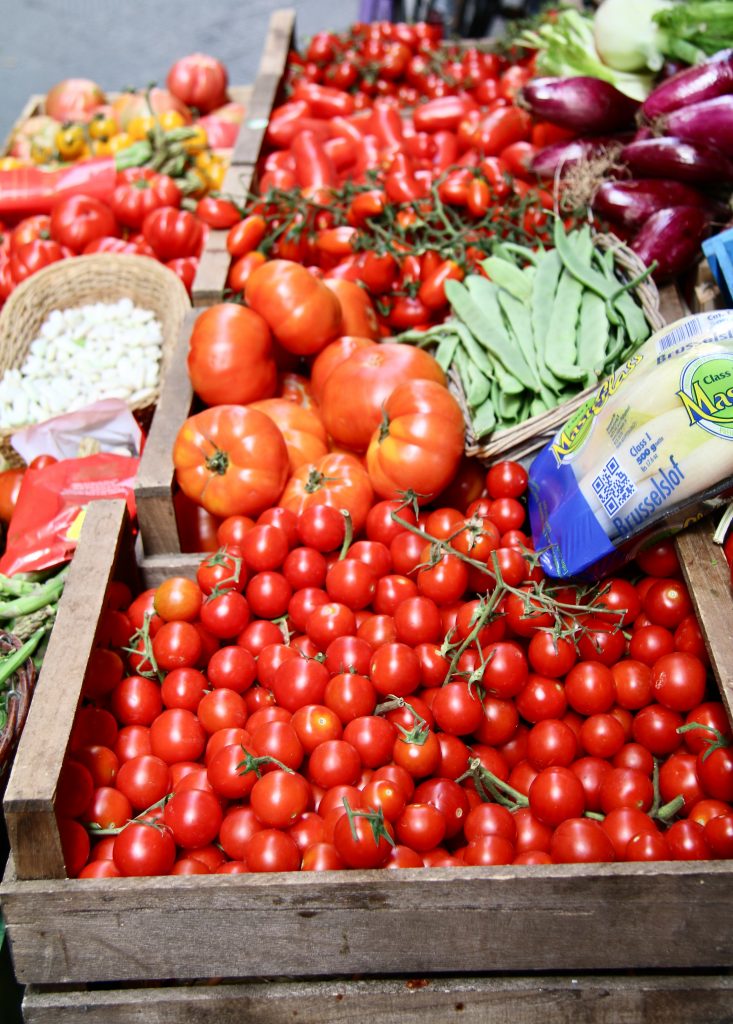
355, 391
302, 428
231, 459
230, 357
339, 481
303, 314
419, 443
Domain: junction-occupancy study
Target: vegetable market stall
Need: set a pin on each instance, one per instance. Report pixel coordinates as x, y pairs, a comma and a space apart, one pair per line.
471, 939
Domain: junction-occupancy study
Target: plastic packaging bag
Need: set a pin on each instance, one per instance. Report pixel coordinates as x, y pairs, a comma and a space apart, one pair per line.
48, 516
647, 450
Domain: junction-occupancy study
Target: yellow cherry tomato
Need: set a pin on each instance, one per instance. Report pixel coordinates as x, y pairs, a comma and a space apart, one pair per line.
102, 147
10, 163
102, 127
171, 119
197, 142
70, 141
215, 175
42, 152
123, 140
139, 126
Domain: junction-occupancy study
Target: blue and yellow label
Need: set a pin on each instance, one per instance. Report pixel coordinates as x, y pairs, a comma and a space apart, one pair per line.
706, 393
572, 438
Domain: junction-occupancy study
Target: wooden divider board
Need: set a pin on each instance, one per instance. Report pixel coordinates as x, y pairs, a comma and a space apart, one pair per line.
279, 39
540, 999
708, 579
29, 798
154, 481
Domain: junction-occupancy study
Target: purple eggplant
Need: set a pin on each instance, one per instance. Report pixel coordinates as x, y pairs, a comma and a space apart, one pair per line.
709, 122
670, 157
583, 104
672, 237
693, 85
561, 156
631, 203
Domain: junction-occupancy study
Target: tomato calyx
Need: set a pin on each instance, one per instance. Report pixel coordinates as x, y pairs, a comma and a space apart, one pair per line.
317, 481
252, 763
375, 820
217, 462
420, 730
384, 426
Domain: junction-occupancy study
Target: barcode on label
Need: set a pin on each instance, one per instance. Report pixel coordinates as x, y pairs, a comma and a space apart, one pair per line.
678, 334
613, 487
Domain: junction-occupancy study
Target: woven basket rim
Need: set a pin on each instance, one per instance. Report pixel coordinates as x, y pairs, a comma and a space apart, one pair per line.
53, 288
104, 261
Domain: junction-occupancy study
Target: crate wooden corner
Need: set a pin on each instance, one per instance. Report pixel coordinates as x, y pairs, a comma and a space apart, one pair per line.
104, 547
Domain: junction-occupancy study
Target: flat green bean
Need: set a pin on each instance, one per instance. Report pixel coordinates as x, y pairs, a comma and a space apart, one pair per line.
474, 349
519, 324
484, 419
507, 274
477, 306
560, 343
544, 287
446, 350
478, 386
593, 332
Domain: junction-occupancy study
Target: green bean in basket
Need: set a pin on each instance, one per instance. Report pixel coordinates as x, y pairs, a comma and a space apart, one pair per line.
28, 606
538, 328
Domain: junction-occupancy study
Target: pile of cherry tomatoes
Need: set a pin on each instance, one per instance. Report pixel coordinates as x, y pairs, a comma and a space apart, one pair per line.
315, 701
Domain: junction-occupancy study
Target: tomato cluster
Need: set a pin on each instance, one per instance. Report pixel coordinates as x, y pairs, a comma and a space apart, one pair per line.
396, 183
316, 701
143, 217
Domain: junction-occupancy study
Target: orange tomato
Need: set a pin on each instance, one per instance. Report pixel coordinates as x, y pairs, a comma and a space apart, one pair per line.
419, 445
336, 480
302, 429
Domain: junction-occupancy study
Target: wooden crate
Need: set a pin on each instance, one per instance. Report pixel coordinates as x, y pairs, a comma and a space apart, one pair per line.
541, 999
598, 917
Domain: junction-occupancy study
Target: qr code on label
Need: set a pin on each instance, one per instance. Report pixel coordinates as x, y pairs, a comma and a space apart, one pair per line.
613, 487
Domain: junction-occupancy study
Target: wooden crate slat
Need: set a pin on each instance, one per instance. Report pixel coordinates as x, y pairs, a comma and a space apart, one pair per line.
210, 280
278, 41
156, 568
238, 181
595, 999
154, 482
541, 918
708, 579
28, 803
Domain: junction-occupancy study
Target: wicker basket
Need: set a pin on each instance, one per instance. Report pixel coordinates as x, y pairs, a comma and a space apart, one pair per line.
23, 683
527, 437
103, 277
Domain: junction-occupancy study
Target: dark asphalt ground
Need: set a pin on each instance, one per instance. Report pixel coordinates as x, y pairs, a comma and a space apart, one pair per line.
120, 43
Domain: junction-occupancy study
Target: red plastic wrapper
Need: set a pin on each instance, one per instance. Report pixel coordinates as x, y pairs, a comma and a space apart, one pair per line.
50, 511
26, 190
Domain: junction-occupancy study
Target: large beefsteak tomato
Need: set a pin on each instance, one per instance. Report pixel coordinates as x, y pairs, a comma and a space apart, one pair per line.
230, 358
356, 390
419, 444
358, 316
335, 353
303, 314
232, 460
302, 429
338, 480
199, 81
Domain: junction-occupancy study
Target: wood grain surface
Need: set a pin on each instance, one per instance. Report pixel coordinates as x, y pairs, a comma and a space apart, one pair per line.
472, 920
541, 999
